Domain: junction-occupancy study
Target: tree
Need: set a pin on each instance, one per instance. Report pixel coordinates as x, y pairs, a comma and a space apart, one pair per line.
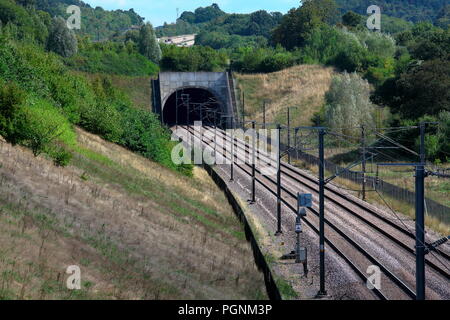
148, 44
11, 99
411, 10
27, 3
435, 45
443, 19
348, 104
377, 43
443, 134
261, 23
61, 39
298, 24
332, 45
426, 42
423, 90
208, 13
196, 58
188, 16
351, 19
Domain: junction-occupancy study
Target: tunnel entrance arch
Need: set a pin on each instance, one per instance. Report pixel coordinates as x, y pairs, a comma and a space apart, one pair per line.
186, 105
216, 89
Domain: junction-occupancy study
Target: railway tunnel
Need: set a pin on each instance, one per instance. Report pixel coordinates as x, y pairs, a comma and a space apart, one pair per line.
186, 97
188, 105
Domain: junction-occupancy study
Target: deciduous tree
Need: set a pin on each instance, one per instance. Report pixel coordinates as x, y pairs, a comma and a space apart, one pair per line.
148, 44
61, 39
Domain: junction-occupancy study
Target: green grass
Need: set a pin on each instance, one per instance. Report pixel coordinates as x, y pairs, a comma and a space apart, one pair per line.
111, 61
95, 156
286, 290
109, 171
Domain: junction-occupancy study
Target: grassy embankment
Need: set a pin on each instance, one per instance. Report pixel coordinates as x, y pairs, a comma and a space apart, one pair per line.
305, 86
434, 187
136, 229
302, 86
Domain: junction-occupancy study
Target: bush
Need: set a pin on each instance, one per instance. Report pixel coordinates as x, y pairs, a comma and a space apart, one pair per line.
277, 61
102, 116
333, 46
348, 104
349, 61
260, 60
377, 43
114, 59
11, 99
437, 144
43, 125
382, 71
197, 58
61, 157
145, 135
57, 99
148, 44
102, 119
61, 39
35, 123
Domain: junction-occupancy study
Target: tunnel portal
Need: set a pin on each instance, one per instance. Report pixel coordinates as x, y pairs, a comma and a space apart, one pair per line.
209, 96
187, 105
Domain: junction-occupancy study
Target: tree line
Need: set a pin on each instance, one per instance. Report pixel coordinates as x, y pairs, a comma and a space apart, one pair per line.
43, 96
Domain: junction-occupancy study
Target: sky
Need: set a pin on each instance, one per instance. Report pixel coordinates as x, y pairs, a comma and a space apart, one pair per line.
159, 11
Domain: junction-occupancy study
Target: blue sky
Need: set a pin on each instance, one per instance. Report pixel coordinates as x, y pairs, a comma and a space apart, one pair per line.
160, 11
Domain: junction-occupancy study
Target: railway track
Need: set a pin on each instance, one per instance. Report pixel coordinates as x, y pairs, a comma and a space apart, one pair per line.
368, 215
347, 248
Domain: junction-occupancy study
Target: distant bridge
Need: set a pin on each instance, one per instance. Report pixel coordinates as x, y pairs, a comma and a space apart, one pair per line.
185, 97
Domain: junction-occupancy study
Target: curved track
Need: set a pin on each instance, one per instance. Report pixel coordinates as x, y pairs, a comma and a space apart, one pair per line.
366, 213
354, 254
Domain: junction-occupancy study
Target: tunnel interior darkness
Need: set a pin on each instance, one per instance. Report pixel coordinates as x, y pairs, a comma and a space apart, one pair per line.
201, 105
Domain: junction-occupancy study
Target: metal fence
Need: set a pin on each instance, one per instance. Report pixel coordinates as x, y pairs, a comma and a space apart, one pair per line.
434, 209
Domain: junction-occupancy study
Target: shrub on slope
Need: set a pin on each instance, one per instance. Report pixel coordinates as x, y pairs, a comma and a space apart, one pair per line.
95, 105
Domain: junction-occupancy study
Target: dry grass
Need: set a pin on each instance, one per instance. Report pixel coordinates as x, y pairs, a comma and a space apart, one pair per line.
303, 86
136, 229
373, 198
138, 88
436, 188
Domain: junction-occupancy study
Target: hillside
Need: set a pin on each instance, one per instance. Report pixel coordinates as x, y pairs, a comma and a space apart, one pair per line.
98, 23
138, 89
110, 201
415, 11
136, 229
302, 86
218, 29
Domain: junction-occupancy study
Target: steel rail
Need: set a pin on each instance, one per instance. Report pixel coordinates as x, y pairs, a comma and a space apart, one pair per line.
359, 205
404, 287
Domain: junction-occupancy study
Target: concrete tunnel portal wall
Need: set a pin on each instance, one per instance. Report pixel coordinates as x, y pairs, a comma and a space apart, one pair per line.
212, 88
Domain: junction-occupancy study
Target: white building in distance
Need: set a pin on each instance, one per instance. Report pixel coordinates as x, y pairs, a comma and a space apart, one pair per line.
187, 40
